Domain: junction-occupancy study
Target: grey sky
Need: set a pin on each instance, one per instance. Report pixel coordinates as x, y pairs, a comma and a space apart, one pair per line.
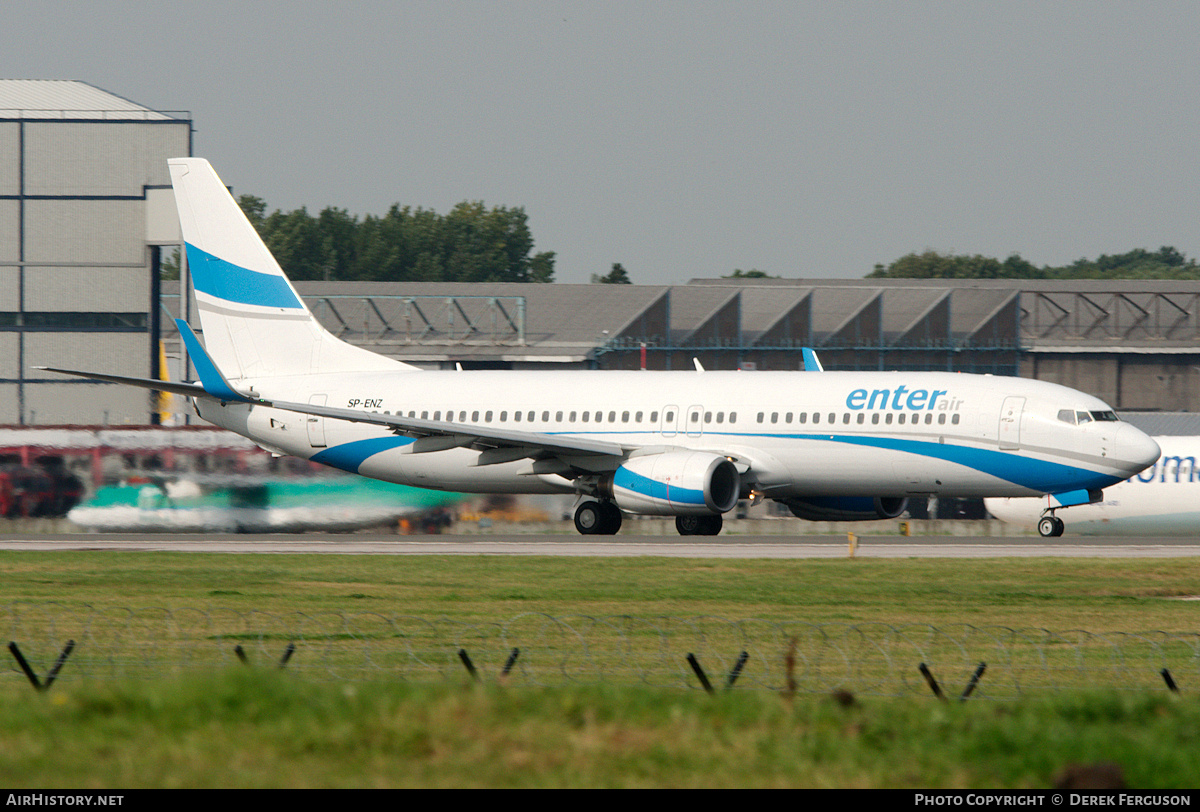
682, 139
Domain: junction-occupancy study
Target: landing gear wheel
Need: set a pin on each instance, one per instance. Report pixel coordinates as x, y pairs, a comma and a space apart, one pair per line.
610, 523
699, 525
589, 518
1051, 526
598, 519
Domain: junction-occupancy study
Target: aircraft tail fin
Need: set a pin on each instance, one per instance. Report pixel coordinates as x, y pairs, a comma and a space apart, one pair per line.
254, 322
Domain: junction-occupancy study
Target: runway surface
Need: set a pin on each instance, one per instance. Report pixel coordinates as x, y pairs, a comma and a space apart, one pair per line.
622, 546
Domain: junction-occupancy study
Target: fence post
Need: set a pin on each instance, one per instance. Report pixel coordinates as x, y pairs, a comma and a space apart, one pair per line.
737, 669
974, 681
933, 685
695, 664
466, 661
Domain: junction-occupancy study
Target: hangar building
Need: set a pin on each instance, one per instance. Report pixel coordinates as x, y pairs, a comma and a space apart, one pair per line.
84, 193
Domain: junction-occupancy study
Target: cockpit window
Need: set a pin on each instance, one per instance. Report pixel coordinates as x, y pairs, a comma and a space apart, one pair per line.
1067, 415
1083, 417
1108, 417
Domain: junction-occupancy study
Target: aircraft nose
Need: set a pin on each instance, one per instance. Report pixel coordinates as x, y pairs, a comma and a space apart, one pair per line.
1135, 448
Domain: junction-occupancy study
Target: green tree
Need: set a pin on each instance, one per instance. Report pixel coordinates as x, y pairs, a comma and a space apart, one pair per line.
1140, 263
472, 243
616, 276
753, 273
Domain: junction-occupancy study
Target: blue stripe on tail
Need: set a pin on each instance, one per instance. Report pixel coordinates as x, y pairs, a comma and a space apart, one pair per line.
233, 283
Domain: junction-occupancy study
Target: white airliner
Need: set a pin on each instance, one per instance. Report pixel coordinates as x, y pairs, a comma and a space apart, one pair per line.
1161, 500
689, 444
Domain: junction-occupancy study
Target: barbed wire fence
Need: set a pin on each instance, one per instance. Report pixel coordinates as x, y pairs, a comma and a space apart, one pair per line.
51, 641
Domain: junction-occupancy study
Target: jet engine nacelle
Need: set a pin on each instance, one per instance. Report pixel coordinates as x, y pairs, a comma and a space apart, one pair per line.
674, 483
847, 508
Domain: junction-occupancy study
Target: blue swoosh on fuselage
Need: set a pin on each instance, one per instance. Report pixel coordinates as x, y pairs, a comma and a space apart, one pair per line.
351, 456
1035, 474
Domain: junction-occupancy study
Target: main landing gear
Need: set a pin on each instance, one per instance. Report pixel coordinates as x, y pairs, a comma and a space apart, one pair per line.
1050, 526
604, 519
699, 525
598, 519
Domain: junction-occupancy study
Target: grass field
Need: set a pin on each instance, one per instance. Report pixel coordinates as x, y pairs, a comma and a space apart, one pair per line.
265, 728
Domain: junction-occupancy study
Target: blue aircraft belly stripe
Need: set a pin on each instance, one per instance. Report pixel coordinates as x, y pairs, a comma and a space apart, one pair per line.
1035, 474
351, 456
653, 489
233, 283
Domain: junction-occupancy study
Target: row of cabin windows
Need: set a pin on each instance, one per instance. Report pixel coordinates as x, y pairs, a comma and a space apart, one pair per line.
861, 418
531, 416
709, 417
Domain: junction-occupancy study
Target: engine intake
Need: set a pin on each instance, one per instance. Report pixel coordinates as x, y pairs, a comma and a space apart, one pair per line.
674, 483
847, 508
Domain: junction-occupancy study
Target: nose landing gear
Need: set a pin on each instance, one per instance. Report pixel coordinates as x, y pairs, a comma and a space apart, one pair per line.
1050, 526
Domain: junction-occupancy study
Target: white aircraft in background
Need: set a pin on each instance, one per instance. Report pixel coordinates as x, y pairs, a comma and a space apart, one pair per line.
689, 444
1161, 500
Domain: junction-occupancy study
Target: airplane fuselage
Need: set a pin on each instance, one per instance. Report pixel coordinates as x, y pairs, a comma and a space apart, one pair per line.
800, 433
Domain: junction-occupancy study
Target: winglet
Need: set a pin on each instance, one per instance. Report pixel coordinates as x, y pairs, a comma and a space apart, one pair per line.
811, 363
211, 379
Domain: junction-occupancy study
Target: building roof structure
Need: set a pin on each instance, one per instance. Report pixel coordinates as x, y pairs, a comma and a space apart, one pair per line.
64, 99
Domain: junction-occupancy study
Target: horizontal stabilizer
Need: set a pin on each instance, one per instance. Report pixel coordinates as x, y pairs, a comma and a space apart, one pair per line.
191, 390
